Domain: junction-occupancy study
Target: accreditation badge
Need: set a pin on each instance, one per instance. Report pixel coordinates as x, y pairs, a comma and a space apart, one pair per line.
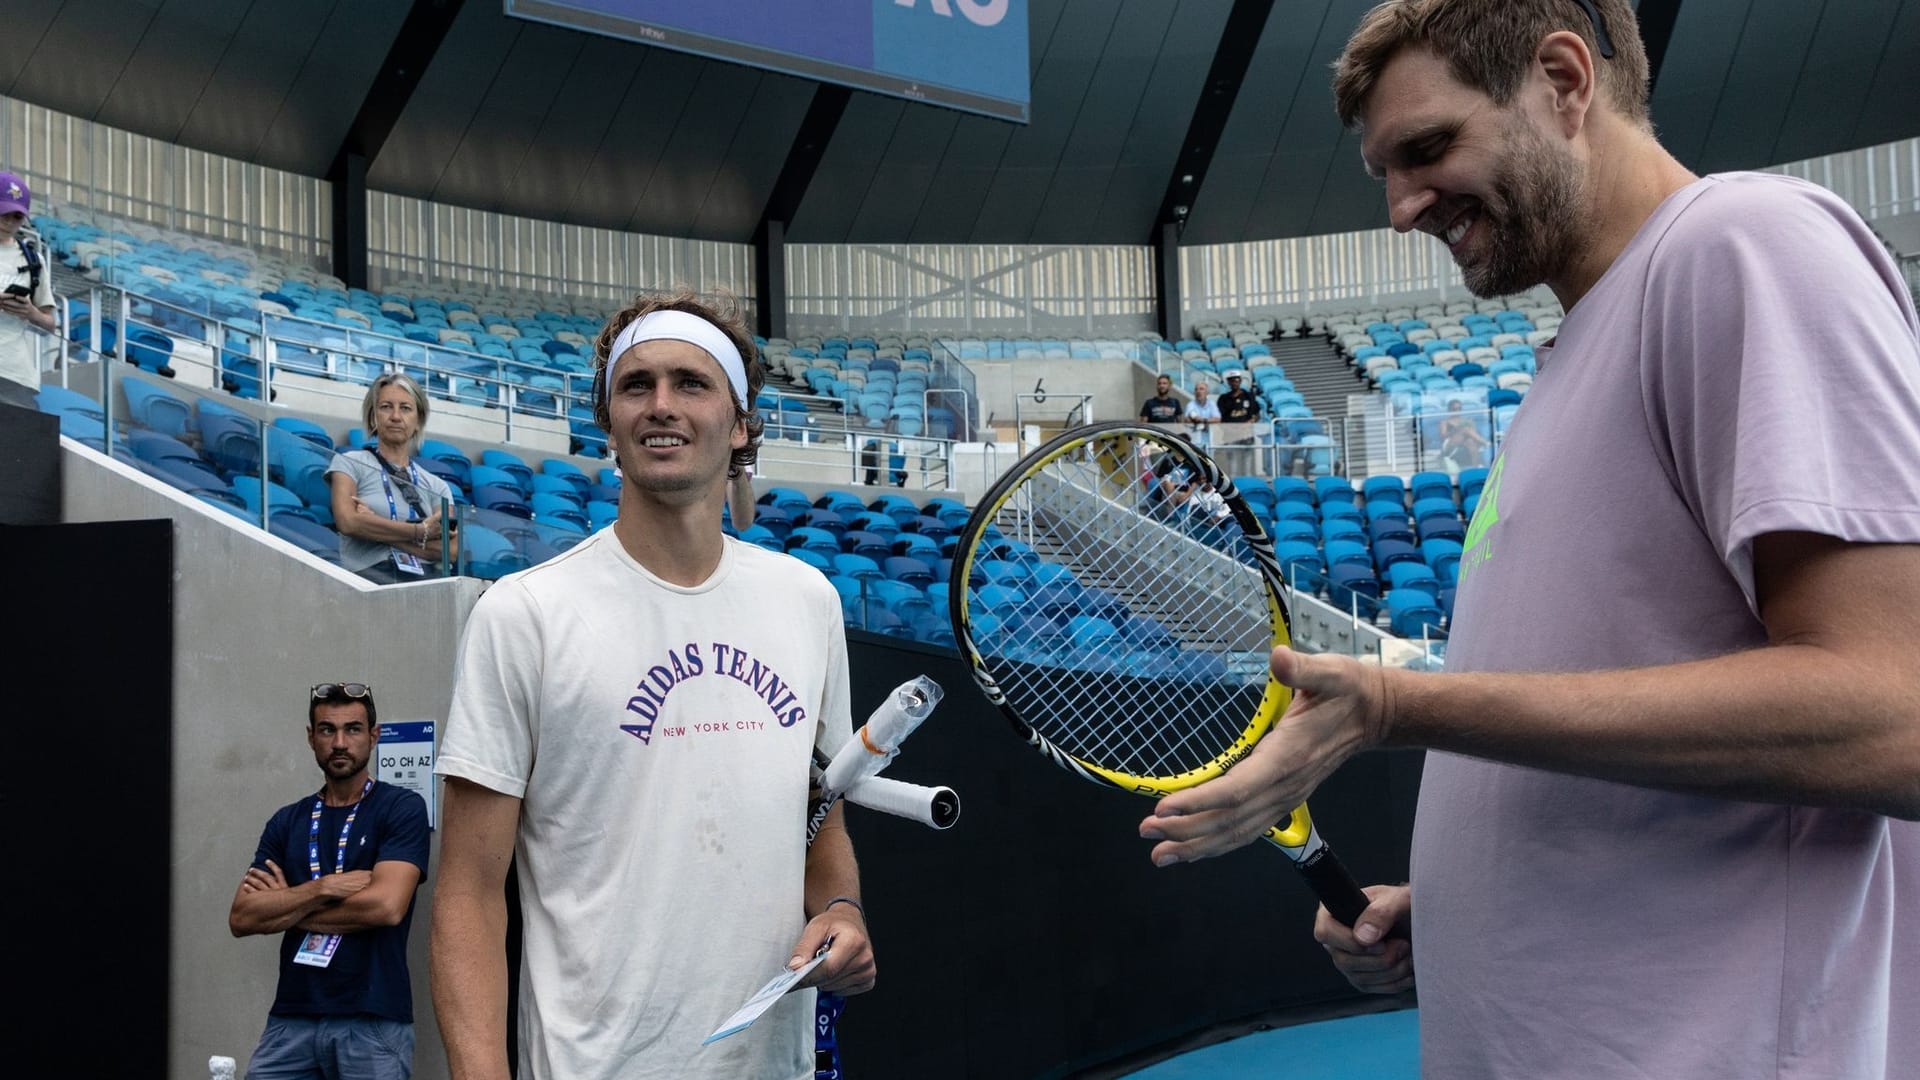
316, 950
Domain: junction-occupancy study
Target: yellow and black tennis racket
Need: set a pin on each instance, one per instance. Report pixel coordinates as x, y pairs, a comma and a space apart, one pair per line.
1121, 605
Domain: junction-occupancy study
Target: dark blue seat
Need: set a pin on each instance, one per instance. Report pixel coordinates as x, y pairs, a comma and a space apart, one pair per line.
1353, 589
504, 500
230, 441
869, 544
904, 569
1389, 528
1388, 552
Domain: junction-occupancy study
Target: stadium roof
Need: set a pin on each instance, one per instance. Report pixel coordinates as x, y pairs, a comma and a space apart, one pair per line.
458, 103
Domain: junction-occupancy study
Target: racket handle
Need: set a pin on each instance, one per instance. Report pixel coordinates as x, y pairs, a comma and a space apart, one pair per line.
934, 807
1328, 877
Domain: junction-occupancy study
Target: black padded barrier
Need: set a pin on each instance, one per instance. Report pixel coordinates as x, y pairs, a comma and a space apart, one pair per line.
90, 793
1035, 939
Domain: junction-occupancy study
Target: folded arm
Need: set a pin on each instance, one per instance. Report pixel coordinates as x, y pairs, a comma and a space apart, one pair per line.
265, 904
384, 902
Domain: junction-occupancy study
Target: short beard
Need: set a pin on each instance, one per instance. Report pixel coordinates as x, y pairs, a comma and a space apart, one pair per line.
1533, 238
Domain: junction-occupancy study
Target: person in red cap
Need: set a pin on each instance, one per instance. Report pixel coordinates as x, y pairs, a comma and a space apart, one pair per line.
26, 295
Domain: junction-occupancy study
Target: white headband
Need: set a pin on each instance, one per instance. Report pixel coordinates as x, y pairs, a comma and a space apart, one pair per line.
680, 326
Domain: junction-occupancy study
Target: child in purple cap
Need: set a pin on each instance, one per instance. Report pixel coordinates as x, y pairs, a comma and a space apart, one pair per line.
26, 295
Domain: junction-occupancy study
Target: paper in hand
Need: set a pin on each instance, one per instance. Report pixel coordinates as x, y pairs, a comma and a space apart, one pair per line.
764, 998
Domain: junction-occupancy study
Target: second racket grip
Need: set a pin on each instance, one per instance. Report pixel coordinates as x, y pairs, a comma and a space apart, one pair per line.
1335, 887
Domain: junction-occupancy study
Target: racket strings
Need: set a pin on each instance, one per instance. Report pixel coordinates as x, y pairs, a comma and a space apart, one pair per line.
1151, 658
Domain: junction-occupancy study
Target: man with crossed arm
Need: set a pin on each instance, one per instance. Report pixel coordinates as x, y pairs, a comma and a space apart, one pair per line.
633, 722
1667, 820
335, 876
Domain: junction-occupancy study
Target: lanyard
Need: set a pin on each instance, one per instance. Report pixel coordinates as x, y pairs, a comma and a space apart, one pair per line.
393, 510
340, 848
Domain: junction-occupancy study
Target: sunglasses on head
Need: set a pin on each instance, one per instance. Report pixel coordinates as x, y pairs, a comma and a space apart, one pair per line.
325, 690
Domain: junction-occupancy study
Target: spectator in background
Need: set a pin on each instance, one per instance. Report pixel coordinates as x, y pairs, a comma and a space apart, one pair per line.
26, 295
344, 1006
1461, 444
1238, 406
1201, 415
386, 508
1162, 407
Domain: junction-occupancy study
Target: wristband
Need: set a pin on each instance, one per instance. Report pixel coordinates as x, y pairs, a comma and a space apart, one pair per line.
850, 902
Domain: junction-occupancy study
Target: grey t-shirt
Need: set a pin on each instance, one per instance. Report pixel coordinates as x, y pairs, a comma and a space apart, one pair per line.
1747, 365
383, 496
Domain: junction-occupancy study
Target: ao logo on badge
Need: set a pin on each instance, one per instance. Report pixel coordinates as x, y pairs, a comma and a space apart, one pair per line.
977, 12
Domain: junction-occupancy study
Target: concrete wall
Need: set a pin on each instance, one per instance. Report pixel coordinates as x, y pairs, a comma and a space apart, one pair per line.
256, 623
1117, 388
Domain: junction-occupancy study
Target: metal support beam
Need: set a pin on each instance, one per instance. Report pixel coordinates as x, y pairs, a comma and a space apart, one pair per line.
413, 49
770, 278
349, 184
1169, 293
1231, 58
796, 174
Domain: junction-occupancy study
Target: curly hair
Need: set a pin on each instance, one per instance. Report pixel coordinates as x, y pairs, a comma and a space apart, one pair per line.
1487, 45
728, 317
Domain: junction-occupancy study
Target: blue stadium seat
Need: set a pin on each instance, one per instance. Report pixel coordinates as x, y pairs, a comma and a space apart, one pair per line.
1385, 528
487, 554
480, 476
512, 463
1292, 529
817, 540
788, 499
1295, 489
1384, 489
1472, 480
1003, 572
1347, 552
1337, 529
1430, 485
155, 409
910, 571
759, 536
501, 499
305, 429
819, 518
549, 508
1443, 556
309, 536
869, 544
1413, 613
1413, 575
229, 440
1390, 552
865, 520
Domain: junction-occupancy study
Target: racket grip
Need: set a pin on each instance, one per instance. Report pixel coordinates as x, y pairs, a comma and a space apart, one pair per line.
934, 807
1329, 879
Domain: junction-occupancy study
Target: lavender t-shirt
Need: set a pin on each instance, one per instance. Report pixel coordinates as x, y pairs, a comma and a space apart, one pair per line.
1747, 365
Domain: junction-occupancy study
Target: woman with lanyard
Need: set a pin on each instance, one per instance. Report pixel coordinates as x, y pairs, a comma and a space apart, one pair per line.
387, 508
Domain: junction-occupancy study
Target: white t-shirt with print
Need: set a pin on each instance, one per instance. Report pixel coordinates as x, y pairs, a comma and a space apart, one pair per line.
659, 737
19, 341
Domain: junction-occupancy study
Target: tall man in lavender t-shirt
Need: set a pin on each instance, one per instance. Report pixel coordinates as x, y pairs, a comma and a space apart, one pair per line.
1668, 827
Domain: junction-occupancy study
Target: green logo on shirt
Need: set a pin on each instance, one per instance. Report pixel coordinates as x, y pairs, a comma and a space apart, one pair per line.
1485, 516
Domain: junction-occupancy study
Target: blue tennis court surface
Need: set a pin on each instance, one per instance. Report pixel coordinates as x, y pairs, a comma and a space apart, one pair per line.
1379, 1046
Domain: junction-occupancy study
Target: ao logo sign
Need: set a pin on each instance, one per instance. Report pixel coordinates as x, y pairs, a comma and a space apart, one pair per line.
978, 12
